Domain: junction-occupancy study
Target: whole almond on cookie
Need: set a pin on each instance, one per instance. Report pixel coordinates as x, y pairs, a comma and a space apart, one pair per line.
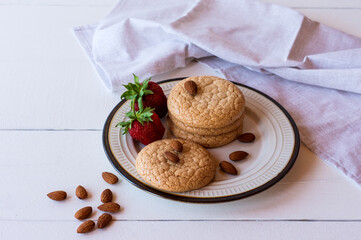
238, 155
57, 195
246, 137
228, 167
176, 145
81, 192
109, 207
191, 87
171, 157
104, 220
86, 227
110, 177
106, 196
83, 213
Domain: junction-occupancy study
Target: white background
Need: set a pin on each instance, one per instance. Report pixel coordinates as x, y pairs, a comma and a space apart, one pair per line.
52, 111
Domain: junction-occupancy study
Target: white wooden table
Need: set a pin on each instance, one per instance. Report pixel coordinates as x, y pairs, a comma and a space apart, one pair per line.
52, 110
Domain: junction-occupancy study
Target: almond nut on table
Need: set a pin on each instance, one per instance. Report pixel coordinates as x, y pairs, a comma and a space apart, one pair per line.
57, 195
110, 177
81, 192
83, 213
106, 196
109, 207
104, 220
86, 227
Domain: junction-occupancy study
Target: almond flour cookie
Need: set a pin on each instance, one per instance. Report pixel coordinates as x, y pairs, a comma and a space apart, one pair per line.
206, 109
207, 141
195, 168
216, 104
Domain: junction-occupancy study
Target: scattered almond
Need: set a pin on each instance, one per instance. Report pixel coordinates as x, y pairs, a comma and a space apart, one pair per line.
176, 145
104, 220
238, 155
86, 227
228, 167
171, 157
109, 207
81, 193
83, 213
246, 137
57, 195
191, 87
110, 177
106, 196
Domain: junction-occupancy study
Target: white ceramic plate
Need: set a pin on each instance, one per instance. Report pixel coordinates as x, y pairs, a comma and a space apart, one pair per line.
271, 155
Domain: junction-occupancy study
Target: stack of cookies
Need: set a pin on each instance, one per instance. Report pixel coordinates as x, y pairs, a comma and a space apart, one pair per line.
207, 110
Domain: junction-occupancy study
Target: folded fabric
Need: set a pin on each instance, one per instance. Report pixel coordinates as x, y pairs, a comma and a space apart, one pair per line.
152, 37
328, 120
255, 43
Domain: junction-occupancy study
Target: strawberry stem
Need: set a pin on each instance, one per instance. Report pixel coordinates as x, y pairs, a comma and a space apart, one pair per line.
136, 90
142, 115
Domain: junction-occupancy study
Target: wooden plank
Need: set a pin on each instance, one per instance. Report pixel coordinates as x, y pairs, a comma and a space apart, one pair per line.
328, 4
59, 2
213, 230
288, 3
36, 163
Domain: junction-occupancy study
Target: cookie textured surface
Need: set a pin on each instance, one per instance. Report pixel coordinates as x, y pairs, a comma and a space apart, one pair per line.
208, 131
217, 103
207, 141
195, 169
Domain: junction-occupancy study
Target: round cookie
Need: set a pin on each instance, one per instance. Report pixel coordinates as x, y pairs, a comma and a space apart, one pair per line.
207, 131
210, 141
217, 103
195, 169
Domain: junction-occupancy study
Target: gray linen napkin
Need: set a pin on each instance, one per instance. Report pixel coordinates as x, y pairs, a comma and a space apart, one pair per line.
311, 69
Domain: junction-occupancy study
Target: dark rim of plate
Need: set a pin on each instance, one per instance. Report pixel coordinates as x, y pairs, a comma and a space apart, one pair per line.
172, 196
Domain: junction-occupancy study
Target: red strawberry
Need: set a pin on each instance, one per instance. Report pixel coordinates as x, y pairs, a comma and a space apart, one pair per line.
149, 132
150, 93
144, 125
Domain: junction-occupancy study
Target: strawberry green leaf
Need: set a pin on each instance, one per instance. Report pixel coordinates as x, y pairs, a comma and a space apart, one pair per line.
136, 79
140, 104
130, 114
145, 83
125, 125
145, 115
136, 90
142, 116
146, 92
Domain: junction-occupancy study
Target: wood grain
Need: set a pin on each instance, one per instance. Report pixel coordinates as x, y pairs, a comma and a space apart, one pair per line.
35, 163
